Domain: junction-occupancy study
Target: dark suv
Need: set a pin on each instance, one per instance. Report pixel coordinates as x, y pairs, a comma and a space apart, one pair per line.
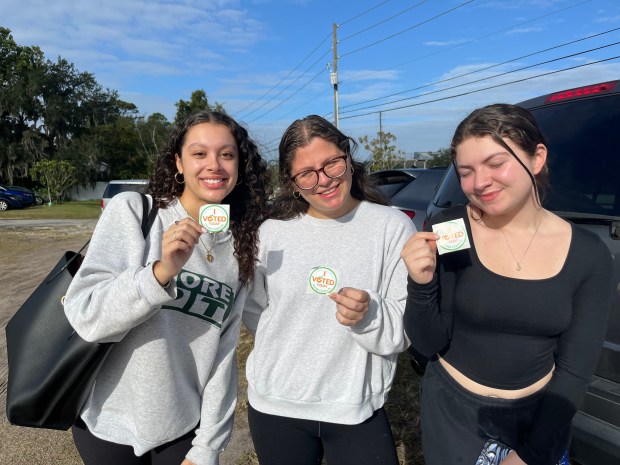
582, 126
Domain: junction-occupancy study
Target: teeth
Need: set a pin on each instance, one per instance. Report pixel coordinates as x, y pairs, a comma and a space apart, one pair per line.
213, 181
329, 191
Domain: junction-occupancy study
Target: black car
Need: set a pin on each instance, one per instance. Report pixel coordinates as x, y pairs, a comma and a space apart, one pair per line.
409, 189
581, 126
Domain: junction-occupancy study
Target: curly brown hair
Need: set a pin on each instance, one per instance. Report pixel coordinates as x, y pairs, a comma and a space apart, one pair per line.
248, 199
299, 134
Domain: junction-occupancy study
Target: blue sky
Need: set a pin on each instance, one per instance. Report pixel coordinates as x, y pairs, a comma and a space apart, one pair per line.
267, 61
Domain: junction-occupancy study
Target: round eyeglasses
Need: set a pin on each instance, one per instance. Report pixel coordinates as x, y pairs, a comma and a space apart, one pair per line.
334, 168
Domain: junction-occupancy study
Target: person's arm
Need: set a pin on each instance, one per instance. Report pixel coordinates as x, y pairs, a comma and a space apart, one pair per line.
577, 354
379, 329
113, 291
219, 397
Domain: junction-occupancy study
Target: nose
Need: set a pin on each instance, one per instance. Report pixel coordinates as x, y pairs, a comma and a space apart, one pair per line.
323, 178
213, 162
482, 180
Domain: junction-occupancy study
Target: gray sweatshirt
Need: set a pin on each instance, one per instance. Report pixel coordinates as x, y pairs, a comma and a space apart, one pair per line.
173, 365
304, 363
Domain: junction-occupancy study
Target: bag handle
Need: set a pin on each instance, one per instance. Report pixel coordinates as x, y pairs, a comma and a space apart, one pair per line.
148, 218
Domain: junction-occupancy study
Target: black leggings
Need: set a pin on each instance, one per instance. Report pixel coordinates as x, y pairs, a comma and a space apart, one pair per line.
285, 441
95, 451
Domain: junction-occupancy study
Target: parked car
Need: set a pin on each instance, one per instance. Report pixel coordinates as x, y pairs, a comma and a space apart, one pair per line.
15, 197
409, 189
584, 163
122, 185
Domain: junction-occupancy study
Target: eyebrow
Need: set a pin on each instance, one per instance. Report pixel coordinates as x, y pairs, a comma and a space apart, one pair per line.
486, 159
301, 170
199, 144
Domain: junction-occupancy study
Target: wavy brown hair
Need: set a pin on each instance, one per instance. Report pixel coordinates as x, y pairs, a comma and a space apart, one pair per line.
503, 120
299, 134
247, 200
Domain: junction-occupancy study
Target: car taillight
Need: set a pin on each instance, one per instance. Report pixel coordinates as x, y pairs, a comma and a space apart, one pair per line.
581, 92
409, 213
102, 204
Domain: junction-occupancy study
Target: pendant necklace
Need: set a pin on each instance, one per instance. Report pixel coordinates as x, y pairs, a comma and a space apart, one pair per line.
210, 256
518, 262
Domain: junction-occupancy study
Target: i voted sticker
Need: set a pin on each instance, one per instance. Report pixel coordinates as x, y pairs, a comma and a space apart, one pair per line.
323, 280
453, 236
215, 217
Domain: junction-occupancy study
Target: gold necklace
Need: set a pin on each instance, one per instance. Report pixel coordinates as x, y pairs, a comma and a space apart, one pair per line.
210, 256
528, 245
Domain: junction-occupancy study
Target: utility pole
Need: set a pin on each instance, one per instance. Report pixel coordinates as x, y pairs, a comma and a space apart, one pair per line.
333, 76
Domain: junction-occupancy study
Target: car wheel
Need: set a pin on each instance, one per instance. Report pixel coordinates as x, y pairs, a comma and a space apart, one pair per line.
38, 200
4, 205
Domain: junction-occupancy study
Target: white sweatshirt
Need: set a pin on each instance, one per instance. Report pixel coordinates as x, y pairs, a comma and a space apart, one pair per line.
174, 364
305, 364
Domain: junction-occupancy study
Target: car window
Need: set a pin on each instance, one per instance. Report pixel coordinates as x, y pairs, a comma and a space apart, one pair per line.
114, 189
583, 155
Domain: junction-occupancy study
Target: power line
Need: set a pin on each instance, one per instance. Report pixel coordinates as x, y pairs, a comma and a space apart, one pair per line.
408, 29
384, 21
289, 97
485, 79
289, 85
472, 40
482, 69
287, 76
363, 13
485, 88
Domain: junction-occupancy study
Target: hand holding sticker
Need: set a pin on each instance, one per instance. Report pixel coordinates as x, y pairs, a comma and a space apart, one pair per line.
351, 305
452, 236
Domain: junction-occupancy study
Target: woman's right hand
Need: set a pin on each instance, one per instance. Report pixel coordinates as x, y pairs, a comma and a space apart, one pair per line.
419, 255
177, 245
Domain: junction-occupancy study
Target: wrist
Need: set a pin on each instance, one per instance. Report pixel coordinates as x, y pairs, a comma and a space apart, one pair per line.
162, 279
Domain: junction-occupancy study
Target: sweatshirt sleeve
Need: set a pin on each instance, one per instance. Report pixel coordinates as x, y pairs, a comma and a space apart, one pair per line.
115, 290
577, 353
381, 332
219, 397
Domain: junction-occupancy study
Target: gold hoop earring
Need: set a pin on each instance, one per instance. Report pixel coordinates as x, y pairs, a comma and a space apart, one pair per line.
238, 183
298, 194
177, 180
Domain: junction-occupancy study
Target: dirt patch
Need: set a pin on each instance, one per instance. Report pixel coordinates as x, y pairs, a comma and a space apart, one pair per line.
27, 254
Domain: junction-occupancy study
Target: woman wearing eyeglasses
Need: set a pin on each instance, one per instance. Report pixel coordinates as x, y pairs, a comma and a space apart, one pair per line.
326, 308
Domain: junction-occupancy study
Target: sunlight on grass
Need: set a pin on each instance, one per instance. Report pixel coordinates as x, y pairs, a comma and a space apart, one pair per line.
83, 209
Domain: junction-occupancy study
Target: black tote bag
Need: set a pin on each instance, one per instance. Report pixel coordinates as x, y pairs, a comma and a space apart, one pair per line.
51, 368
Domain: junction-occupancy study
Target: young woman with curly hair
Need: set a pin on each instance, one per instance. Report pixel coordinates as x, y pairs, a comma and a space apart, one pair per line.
171, 303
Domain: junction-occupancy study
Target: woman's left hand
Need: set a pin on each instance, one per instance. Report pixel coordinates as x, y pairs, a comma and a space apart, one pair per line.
351, 305
512, 459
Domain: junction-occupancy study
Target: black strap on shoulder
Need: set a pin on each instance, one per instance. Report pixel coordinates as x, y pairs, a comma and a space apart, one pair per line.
148, 218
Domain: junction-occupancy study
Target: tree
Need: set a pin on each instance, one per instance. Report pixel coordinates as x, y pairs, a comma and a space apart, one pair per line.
56, 176
442, 157
198, 101
383, 150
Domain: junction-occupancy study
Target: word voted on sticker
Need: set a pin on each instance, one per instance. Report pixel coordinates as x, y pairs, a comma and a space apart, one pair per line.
215, 217
323, 280
453, 236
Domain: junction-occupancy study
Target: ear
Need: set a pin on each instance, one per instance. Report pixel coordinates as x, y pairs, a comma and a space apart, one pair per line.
178, 162
540, 158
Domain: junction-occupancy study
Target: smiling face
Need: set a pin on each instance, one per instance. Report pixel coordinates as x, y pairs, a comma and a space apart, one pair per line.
331, 197
492, 179
209, 162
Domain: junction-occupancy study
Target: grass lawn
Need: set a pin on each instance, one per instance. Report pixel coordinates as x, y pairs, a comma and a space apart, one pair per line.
83, 209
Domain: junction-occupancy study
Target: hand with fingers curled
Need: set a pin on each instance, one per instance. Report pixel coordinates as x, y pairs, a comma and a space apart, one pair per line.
177, 245
351, 305
419, 255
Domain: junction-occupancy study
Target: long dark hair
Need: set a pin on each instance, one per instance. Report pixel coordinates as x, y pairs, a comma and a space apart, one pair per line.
247, 200
299, 134
502, 120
